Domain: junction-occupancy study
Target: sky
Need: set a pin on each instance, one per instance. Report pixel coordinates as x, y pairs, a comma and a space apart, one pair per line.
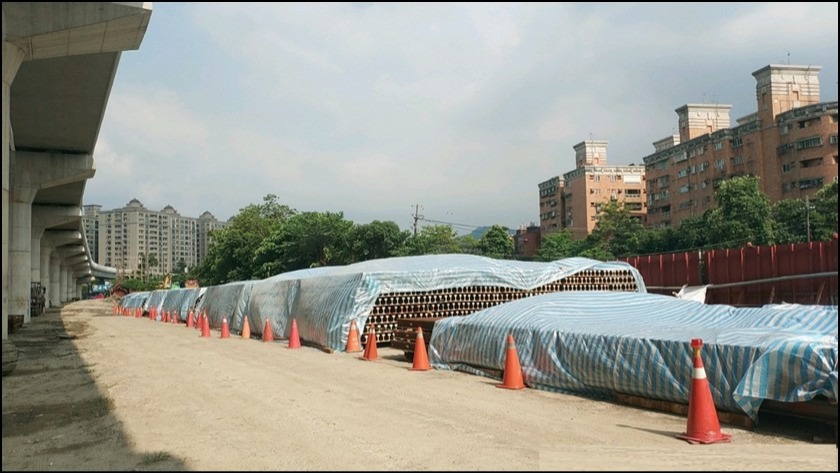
455, 112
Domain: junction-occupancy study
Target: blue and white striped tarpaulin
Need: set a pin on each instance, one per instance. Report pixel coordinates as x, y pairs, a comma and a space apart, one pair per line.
325, 300
598, 343
328, 299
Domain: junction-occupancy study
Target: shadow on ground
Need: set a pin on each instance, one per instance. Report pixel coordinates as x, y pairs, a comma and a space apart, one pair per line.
55, 417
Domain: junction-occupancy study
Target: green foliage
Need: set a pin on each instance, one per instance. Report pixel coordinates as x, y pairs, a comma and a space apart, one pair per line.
617, 231
558, 245
376, 240
789, 221
742, 214
467, 244
230, 257
140, 285
432, 240
496, 243
824, 217
305, 240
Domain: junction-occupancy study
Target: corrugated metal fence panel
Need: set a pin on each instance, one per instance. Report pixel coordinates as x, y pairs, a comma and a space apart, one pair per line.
766, 262
663, 272
596, 343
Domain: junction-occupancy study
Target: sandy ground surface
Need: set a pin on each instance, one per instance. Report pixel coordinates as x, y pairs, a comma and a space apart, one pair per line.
96, 391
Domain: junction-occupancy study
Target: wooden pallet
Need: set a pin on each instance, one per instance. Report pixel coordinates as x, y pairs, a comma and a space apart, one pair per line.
724, 417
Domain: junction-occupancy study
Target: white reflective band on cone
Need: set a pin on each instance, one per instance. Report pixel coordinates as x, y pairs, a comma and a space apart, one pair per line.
699, 373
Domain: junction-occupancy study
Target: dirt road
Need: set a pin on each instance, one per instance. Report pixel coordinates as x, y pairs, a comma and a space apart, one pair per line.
96, 391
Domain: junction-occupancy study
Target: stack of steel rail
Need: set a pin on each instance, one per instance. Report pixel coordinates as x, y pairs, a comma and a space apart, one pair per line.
392, 312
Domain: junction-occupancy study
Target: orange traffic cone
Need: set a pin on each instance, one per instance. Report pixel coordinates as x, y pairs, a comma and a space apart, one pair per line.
165, 317
205, 328
421, 360
353, 344
513, 372
190, 319
294, 337
199, 321
268, 332
703, 425
246, 329
225, 329
371, 352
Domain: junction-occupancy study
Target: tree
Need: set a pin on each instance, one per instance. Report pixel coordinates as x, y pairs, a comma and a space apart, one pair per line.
617, 230
558, 245
432, 240
789, 221
306, 240
376, 240
467, 244
742, 214
496, 243
179, 274
230, 256
824, 218
152, 261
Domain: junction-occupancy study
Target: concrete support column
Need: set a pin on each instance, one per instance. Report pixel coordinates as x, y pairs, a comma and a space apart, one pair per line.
20, 248
66, 276
55, 280
35, 253
12, 58
46, 251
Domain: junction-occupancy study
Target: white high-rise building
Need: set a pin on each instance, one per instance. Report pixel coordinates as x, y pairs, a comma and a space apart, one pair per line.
136, 240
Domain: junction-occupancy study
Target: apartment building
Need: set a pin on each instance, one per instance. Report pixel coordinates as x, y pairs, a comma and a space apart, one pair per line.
789, 142
128, 236
90, 220
574, 202
206, 223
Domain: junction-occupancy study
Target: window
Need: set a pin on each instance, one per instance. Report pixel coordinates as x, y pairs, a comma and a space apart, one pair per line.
784, 148
833, 139
683, 173
784, 129
737, 142
809, 142
810, 183
718, 145
633, 192
809, 163
720, 164
787, 167
737, 160
684, 189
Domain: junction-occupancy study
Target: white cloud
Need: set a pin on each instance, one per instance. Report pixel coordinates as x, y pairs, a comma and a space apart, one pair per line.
462, 108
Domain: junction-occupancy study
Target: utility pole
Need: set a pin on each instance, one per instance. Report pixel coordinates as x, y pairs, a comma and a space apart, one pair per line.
416, 217
808, 218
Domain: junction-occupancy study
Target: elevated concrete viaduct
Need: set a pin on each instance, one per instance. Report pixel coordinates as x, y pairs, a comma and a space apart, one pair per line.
59, 61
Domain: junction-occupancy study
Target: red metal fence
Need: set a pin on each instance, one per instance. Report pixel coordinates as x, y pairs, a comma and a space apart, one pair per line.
803, 273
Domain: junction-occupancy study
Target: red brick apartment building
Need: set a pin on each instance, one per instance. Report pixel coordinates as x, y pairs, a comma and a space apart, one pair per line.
574, 201
790, 143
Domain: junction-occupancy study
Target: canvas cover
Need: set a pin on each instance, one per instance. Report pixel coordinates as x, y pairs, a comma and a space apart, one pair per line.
598, 343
